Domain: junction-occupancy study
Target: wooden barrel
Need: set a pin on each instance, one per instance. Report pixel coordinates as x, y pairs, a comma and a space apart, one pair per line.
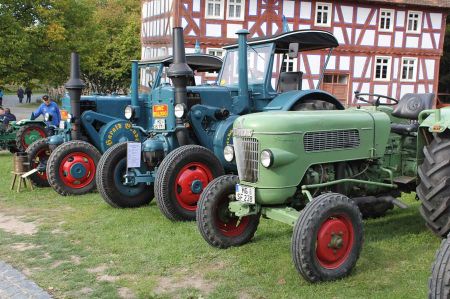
20, 162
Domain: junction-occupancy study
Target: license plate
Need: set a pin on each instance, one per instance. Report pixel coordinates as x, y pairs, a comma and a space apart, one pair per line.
159, 124
245, 194
62, 124
160, 110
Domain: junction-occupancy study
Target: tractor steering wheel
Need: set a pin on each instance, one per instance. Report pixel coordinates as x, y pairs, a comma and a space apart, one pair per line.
376, 103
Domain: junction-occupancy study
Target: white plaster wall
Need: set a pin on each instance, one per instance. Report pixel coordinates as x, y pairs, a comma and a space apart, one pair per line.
214, 30
359, 66
362, 14
305, 10
288, 8
231, 30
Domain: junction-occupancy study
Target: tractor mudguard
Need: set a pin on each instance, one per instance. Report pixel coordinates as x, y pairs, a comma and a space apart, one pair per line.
287, 100
431, 121
23, 122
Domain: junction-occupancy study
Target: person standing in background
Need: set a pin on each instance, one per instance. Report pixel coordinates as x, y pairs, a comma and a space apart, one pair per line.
20, 94
1, 96
28, 93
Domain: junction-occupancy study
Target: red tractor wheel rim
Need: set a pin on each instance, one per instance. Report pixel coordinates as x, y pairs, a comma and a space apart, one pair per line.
73, 162
25, 140
334, 241
190, 182
41, 155
228, 224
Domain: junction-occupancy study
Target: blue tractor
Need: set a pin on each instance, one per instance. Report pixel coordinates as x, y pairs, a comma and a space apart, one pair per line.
192, 125
91, 124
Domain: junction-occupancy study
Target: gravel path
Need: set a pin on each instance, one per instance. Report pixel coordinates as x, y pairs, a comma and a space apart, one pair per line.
13, 284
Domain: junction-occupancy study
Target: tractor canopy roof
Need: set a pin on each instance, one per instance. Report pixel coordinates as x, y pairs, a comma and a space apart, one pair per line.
307, 40
197, 62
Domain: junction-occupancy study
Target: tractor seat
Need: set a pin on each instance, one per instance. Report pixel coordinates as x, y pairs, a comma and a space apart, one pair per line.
290, 81
409, 107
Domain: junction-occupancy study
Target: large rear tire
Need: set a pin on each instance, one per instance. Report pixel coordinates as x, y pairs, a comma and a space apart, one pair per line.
111, 169
38, 155
71, 168
217, 225
434, 187
27, 134
439, 282
327, 238
182, 177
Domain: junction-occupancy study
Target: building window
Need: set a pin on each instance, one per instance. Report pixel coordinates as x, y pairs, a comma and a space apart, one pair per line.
214, 9
289, 65
382, 68
414, 22
323, 14
236, 9
216, 52
409, 67
386, 22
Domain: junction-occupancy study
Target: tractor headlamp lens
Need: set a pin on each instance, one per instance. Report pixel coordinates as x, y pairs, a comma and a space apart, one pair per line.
266, 158
128, 112
228, 153
179, 110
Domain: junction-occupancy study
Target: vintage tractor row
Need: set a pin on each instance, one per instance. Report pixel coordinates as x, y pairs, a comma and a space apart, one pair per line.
193, 124
92, 124
17, 136
311, 174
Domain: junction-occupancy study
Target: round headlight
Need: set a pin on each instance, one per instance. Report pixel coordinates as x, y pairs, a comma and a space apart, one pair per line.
179, 110
128, 112
46, 116
266, 158
228, 153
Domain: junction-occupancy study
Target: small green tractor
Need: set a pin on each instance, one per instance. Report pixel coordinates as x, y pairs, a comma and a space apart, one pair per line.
312, 174
19, 135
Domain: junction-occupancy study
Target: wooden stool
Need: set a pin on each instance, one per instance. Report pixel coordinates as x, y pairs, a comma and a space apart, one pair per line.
25, 180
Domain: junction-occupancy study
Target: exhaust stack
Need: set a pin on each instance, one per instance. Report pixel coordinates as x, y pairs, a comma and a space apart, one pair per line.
74, 86
179, 72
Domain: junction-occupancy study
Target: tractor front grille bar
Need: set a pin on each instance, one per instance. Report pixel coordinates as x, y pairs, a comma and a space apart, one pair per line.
247, 158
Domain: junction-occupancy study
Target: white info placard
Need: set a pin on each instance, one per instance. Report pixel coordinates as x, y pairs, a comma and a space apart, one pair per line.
133, 154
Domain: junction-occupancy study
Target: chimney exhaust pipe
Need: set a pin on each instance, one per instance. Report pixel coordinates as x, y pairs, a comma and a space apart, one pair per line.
75, 86
179, 72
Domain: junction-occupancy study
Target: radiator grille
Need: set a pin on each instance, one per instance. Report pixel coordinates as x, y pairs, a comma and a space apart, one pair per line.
331, 140
247, 158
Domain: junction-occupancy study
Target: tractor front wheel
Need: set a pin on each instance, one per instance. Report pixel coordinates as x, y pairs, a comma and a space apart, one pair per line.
110, 180
439, 282
217, 225
327, 238
71, 168
181, 178
434, 187
38, 153
27, 134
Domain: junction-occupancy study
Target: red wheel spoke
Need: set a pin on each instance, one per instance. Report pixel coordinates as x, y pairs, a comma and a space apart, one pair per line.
75, 160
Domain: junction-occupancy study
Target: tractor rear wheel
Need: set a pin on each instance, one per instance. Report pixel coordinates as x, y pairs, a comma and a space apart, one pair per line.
327, 238
217, 225
27, 134
434, 187
71, 168
111, 169
182, 177
38, 153
439, 282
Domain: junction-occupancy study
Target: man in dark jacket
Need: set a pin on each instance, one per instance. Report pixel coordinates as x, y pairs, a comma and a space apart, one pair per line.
6, 116
20, 94
28, 93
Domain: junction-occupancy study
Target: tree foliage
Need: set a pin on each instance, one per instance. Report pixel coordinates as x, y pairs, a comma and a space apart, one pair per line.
37, 37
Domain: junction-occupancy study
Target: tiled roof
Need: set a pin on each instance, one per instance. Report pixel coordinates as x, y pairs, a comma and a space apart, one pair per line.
428, 3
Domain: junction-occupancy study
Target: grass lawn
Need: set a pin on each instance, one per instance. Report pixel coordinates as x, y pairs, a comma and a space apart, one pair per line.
81, 247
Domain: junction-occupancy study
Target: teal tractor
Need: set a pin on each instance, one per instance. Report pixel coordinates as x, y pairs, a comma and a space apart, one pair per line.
295, 168
193, 124
67, 161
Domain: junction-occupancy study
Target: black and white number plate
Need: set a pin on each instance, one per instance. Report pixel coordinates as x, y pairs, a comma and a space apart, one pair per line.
159, 124
245, 194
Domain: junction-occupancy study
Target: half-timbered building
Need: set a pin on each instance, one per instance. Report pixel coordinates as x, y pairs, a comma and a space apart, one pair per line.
386, 47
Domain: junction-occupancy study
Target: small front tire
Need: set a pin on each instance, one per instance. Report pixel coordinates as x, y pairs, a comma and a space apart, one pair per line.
217, 225
38, 154
327, 238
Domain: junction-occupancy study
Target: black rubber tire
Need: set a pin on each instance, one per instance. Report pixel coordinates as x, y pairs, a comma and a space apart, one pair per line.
112, 161
306, 229
32, 151
434, 187
207, 214
373, 208
55, 160
20, 135
439, 282
166, 175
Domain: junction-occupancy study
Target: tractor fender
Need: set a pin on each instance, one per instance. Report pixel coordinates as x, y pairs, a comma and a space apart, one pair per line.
287, 100
117, 131
56, 140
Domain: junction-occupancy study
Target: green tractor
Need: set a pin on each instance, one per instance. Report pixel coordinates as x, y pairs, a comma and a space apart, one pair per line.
19, 135
312, 174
